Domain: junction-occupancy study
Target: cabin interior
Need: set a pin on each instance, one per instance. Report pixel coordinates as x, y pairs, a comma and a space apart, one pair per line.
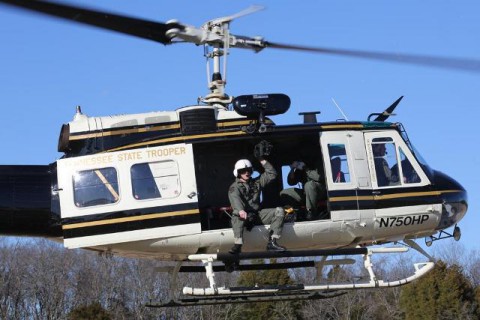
214, 163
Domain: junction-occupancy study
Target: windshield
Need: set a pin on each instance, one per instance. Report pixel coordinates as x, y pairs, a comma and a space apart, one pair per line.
415, 152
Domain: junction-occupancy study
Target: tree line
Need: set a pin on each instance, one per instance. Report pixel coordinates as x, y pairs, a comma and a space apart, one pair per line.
39, 279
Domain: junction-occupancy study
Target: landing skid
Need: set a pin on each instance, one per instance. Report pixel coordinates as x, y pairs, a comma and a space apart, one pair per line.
223, 295
220, 300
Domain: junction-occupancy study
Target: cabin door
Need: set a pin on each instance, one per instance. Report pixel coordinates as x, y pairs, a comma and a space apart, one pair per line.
401, 192
128, 196
347, 176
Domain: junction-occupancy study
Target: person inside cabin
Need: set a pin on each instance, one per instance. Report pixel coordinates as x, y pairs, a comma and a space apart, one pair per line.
309, 175
337, 175
384, 173
244, 196
409, 173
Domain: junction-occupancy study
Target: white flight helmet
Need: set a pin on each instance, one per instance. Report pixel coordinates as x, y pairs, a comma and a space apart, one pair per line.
241, 164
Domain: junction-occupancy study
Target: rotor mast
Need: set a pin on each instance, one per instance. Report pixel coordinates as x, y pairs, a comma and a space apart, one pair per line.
215, 34
217, 83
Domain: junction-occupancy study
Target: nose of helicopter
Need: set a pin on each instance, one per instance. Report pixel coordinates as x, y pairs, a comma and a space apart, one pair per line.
455, 200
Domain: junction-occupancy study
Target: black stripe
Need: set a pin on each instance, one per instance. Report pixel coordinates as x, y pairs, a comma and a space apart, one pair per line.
376, 202
351, 205
135, 127
107, 133
100, 144
130, 213
131, 226
407, 201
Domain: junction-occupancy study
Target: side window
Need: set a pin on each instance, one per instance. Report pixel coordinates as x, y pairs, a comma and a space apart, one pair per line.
95, 187
339, 163
155, 180
386, 163
408, 172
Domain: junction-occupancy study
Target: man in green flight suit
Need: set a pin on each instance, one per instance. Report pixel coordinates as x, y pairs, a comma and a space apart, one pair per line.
310, 194
244, 196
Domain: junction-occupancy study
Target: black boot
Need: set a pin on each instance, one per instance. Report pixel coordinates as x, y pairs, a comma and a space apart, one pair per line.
274, 246
236, 249
311, 215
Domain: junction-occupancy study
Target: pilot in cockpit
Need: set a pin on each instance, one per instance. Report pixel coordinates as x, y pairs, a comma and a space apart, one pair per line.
384, 173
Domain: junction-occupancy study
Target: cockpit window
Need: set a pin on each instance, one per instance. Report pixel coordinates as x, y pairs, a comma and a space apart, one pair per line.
423, 163
386, 163
409, 174
155, 180
95, 187
339, 163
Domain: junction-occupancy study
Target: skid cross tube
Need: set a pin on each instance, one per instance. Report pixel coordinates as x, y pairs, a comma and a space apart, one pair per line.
228, 257
250, 267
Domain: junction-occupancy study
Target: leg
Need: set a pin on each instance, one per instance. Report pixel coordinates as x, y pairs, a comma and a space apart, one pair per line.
275, 218
237, 226
312, 196
292, 196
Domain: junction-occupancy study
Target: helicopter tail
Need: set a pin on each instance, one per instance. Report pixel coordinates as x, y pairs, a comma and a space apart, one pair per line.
26, 201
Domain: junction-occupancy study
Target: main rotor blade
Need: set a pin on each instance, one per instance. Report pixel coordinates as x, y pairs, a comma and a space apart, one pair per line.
141, 28
471, 65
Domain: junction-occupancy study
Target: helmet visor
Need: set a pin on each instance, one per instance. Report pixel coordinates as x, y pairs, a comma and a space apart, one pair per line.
245, 170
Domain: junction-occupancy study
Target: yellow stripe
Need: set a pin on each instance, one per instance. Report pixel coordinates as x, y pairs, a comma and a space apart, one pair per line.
393, 196
208, 135
129, 219
450, 191
342, 126
408, 194
350, 198
105, 133
126, 131
224, 124
232, 123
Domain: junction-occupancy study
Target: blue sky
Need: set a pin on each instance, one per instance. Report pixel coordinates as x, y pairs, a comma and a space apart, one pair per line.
48, 66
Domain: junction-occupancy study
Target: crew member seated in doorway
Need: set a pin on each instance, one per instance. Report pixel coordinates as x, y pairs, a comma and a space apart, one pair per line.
244, 196
309, 176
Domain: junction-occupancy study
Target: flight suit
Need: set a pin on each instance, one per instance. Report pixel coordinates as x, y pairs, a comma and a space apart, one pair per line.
384, 173
311, 192
246, 196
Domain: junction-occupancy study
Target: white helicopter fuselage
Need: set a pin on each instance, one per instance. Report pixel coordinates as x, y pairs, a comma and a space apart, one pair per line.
166, 198
156, 184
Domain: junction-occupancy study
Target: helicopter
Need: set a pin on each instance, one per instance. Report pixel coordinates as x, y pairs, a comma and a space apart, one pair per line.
154, 185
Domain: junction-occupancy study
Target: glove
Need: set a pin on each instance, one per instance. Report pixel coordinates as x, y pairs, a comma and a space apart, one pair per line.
250, 221
262, 149
298, 165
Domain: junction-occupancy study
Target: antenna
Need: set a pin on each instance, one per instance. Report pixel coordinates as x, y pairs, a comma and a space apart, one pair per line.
340, 109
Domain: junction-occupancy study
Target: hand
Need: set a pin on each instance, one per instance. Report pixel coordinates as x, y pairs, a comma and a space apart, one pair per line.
297, 165
262, 150
294, 165
243, 214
